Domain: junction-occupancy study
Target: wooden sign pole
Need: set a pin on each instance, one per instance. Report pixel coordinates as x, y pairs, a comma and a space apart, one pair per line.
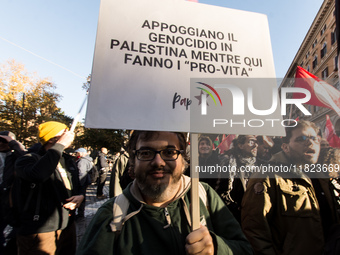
195, 203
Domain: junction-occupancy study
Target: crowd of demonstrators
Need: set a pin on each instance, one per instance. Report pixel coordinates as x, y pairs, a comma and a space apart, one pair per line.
289, 212
103, 168
159, 202
84, 164
279, 213
10, 151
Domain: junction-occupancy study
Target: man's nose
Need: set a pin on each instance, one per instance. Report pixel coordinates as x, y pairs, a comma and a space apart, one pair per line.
158, 160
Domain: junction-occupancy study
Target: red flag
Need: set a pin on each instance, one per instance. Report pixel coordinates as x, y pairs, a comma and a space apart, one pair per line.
297, 118
226, 142
322, 94
330, 135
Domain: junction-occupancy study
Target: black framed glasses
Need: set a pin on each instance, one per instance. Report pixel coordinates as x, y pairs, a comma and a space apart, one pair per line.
166, 154
304, 138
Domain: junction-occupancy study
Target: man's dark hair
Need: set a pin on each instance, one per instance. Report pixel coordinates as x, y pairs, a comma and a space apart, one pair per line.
148, 135
300, 124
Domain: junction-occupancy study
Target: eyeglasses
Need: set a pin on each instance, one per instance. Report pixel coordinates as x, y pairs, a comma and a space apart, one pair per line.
166, 154
304, 138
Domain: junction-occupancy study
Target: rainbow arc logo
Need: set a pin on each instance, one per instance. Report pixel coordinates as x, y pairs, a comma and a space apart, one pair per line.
204, 99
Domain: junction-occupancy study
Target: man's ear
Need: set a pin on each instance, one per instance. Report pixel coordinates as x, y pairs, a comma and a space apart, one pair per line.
285, 148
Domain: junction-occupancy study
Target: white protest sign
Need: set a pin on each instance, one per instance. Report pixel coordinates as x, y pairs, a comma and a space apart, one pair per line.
148, 50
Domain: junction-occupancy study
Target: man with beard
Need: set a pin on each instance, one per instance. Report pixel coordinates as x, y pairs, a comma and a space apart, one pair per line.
158, 219
240, 160
282, 212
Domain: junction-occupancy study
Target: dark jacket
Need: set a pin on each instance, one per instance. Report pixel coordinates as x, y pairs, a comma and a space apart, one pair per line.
102, 162
41, 193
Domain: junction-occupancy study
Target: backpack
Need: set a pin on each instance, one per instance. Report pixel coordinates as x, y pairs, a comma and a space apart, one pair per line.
121, 206
13, 205
93, 174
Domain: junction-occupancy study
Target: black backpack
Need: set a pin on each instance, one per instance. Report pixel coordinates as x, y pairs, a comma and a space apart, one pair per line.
13, 203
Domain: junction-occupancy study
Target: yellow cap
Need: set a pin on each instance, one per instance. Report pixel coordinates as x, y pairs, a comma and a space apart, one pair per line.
49, 130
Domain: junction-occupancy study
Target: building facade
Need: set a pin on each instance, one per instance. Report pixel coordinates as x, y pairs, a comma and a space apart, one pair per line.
318, 55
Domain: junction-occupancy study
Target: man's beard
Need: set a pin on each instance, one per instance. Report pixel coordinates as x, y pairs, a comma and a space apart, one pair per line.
157, 191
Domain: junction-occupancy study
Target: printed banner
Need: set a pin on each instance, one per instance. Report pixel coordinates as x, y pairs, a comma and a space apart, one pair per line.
148, 50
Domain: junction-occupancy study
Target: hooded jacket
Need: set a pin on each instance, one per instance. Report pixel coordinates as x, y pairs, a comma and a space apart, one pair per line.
281, 213
156, 230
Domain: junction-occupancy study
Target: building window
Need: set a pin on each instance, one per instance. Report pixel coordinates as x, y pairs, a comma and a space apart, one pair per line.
315, 62
314, 44
324, 73
308, 68
336, 63
307, 55
323, 30
324, 50
333, 37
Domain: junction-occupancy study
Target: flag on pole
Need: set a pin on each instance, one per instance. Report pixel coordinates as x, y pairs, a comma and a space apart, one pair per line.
330, 135
226, 143
322, 94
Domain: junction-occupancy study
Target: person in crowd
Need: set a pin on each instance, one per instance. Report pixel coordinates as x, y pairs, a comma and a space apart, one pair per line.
265, 144
103, 168
324, 143
10, 150
283, 212
118, 169
47, 188
208, 158
158, 220
240, 160
84, 164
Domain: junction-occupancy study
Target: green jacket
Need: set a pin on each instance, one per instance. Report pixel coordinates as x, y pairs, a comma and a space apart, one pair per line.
150, 232
282, 215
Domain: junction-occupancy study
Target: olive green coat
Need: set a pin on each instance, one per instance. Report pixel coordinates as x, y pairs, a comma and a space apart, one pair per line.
282, 215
